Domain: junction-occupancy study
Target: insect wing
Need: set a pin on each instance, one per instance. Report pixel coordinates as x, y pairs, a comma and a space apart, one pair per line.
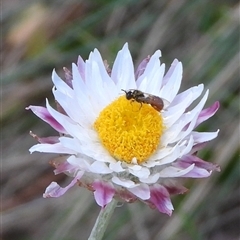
156, 102
166, 103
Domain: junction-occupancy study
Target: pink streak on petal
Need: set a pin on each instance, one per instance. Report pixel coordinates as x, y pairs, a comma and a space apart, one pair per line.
197, 173
141, 67
64, 167
207, 113
190, 159
142, 191
103, 193
161, 200
176, 170
68, 77
54, 190
43, 113
176, 189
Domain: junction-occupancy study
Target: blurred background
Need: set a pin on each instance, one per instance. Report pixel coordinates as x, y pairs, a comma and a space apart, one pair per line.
40, 35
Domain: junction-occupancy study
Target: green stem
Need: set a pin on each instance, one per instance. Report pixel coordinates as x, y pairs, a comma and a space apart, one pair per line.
102, 221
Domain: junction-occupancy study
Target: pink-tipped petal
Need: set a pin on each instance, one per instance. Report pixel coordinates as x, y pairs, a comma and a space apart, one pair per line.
141, 67
103, 193
197, 173
188, 160
206, 113
176, 170
54, 190
68, 77
201, 168
44, 114
176, 189
64, 167
161, 200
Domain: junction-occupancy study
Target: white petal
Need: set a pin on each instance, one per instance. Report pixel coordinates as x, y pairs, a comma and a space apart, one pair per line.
170, 71
174, 171
171, 134
96, 151
192, 116
109, 87
170, 158
61, 85
180, 104
142, 191
123, 71
116, 166
51, 148
81, 67
150, 179
134, 167
123, 182
94, 83
65, 101
170, 90
165, 152
150, 163
82, 164
78, 82
141, 173
64, 120
187, 148
100, 167
176, 132
195, 92
189, 128
70, 143
151, 80
200, 137
81, 94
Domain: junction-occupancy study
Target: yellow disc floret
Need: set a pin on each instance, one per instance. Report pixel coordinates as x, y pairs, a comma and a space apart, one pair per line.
129, 130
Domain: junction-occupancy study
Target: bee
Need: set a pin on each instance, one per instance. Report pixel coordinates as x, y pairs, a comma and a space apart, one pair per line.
141, 97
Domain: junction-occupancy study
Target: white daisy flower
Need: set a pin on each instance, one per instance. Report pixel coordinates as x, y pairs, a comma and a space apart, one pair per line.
125, 134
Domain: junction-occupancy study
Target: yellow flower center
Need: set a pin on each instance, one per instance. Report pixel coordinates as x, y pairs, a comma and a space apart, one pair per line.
129, 130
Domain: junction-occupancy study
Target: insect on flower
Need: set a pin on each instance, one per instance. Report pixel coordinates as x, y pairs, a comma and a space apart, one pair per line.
142, 155
141, 97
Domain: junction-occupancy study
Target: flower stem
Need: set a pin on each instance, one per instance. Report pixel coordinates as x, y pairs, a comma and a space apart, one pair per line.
102, 221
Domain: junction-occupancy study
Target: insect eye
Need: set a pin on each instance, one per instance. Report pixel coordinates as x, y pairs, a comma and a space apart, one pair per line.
129, 95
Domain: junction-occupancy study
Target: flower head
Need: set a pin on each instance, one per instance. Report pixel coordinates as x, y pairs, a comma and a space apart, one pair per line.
126, 134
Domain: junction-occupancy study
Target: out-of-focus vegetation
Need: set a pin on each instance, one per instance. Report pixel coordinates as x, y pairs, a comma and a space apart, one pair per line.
39, 35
